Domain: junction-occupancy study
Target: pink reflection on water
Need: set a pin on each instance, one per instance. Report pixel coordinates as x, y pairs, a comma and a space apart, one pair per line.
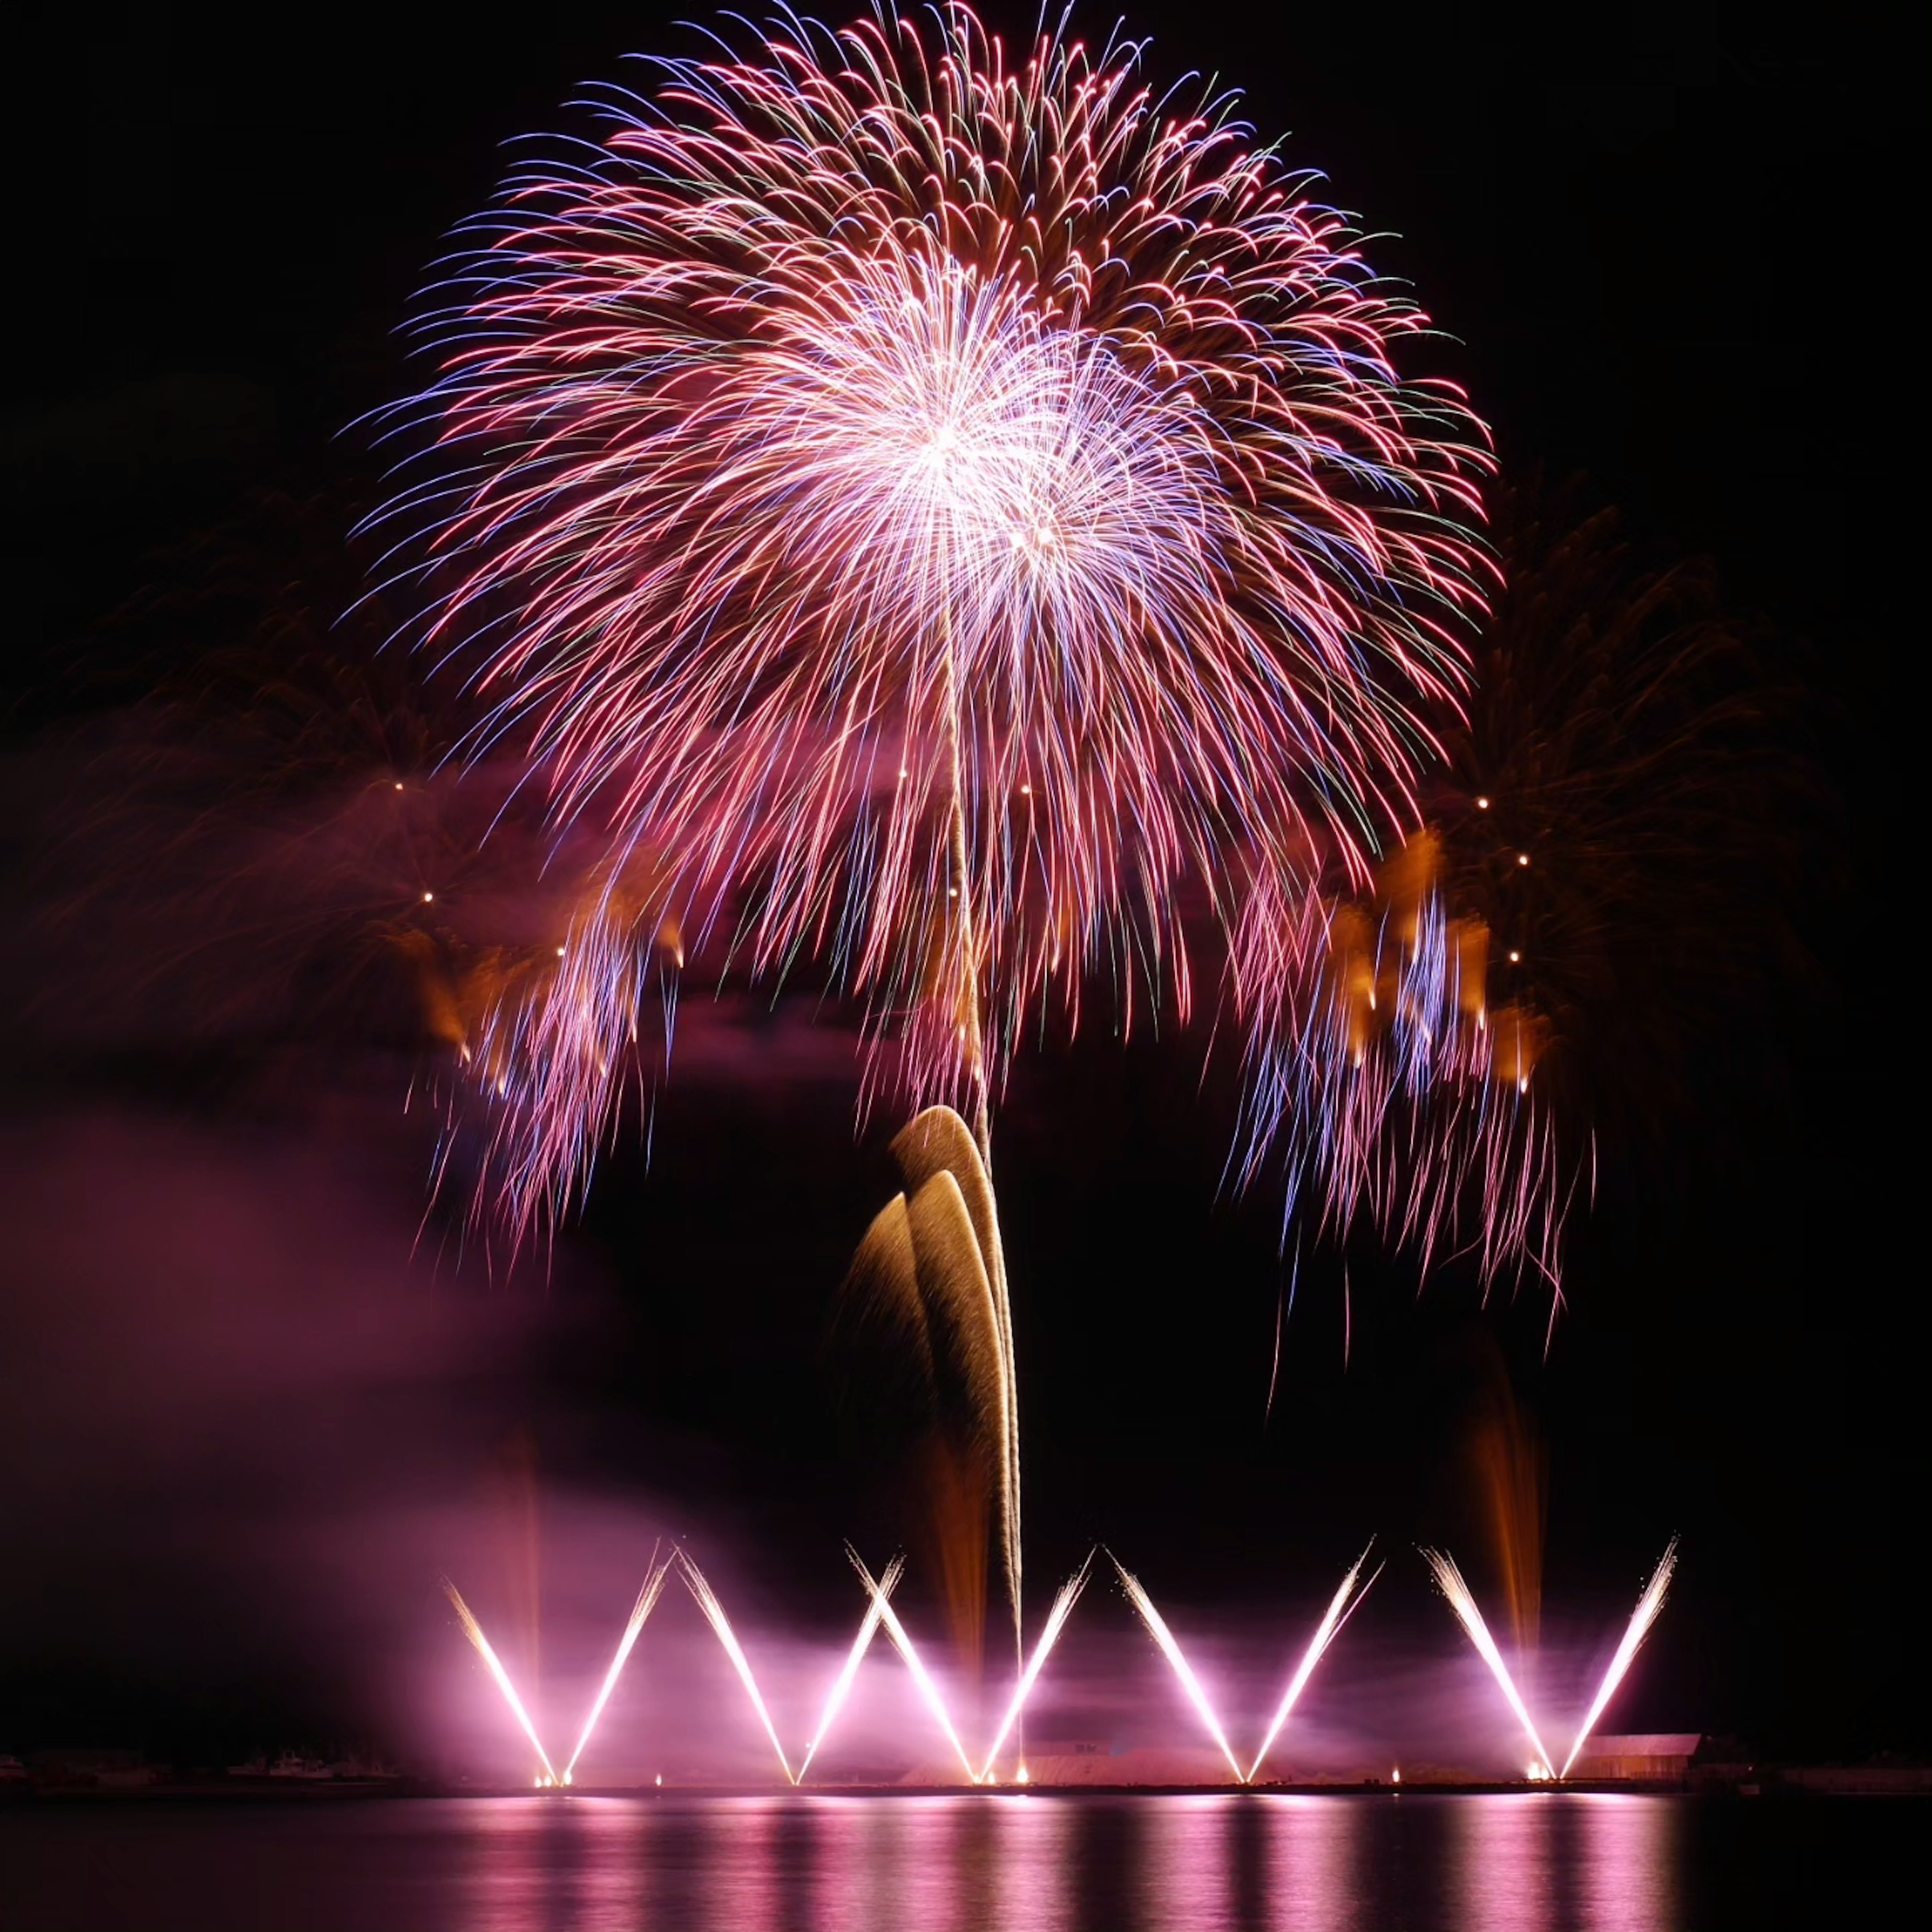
945, 1863
531, 1865
1009, 1862
1314, 1848
1628, 1862
856, 1879
1185, 1871
1598, 1862
1035, 1864
1502, 1862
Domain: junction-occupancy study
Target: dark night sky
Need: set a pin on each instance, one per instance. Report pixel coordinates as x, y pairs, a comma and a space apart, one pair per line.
1671, 252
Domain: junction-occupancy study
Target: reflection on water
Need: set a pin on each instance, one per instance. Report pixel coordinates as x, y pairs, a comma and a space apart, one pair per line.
1602, 1862
1535, 1862
1314, 1849
1003, 1861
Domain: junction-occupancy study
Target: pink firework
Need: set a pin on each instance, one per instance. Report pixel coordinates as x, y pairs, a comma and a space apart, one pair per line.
956, 509
1385, 1083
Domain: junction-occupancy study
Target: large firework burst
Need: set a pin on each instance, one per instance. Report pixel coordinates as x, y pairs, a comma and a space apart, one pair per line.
949, 506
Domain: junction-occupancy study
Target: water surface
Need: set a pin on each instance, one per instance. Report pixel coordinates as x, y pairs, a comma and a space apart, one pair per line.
980, 1862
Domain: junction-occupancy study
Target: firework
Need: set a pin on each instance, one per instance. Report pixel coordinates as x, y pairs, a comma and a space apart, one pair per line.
888, 1581
1157, 1627
929, 1279
473, 1630
1056, 1618
1342, 1607
1642, 1618
928, 1690
1511, 1469
1449, 1580
647, 1597
1386, 1080
707, 1601
949, 504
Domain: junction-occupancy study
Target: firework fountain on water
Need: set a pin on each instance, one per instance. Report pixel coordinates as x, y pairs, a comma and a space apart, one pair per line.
647, 1597
1449, 1579
1462, 1601
1635, 1631
880, 1614
1346, 1601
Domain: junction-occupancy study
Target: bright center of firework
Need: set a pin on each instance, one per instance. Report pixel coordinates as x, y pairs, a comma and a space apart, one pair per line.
985, 465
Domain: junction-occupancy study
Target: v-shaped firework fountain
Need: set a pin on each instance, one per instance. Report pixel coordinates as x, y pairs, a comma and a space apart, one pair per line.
879, 1613
1462, 1601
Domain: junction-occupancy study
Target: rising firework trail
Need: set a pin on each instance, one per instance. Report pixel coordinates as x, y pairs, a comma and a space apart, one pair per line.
888, 1581
1344, 1604
714, 1615
1056, 1618
1449, 1580
1157, 1626
952, 514
647, 1597
928, 1690
473, 1630
1642, 1618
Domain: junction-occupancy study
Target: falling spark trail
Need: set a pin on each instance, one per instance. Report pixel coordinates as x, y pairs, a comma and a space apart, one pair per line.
647, 1597
1340, 1611
1449, 1580
473, 1630
1062, 1608
927, 1689
1284, 1306
1162, 1635
888, 1582
714, 1614
1642, 1618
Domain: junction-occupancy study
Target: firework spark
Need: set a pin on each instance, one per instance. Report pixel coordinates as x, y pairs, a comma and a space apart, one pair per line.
1157, 1627
1344, 1604
647, 1597
928, 1280
1449, 1580
1056, 1618
928, 1690
473, 1630
888, 1581
1642, 1618
714, 1615
948, 505
1383, 1077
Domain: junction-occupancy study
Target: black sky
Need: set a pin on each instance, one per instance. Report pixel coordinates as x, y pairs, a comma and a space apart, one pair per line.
1675, 253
